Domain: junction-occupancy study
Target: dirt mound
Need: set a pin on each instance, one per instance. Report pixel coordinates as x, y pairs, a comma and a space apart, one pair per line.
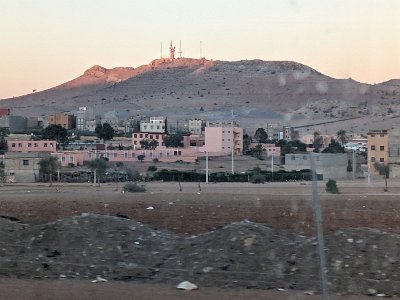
242, 254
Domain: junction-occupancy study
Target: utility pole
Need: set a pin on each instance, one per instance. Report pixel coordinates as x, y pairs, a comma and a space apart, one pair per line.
272, 167
318, 225
206, 166
354, 164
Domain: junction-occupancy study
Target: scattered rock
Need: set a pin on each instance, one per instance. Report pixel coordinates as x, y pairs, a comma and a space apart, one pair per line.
186, 285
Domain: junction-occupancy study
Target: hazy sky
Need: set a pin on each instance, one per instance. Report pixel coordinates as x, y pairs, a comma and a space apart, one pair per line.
47, 42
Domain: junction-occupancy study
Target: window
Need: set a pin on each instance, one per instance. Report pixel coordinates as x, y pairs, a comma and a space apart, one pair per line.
293, 157
13, 145
45, 145
35, 144
372, 147
382, 159
19, 144
381, 147
372, 159
141, 135
135, 135
29, 145
25, 162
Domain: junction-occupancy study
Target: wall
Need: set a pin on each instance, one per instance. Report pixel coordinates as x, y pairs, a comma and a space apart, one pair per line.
330, 165
22, 167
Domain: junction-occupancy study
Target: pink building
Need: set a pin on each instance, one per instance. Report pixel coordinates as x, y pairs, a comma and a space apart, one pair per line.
223, 139
270, 149
161, 153
139, 136
26, 146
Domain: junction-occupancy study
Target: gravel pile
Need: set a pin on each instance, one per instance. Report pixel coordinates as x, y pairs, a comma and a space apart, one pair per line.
242, 254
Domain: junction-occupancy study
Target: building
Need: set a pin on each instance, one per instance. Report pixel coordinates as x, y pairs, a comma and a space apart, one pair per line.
62, 119
270, 149
309, 139
196, 126
26, 146
224, 140
14, 123
154, 125
22, 167
4, 111
329, 165
378, 149
139, 136
86, 119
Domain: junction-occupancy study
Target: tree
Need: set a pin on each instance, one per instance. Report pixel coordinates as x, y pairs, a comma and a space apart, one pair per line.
48, 166
261, 136
246, 144
173, 141
57, 133
342, 137
141, 157
383, 170
98, 166
148, 144
318, 141
3, 145
257, 151
104, 131
334, 147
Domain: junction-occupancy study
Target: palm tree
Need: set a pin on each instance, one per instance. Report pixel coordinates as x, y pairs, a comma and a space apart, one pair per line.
342, 137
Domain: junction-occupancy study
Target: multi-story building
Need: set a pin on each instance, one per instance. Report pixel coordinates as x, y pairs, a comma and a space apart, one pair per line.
154, 125
62, 119
84, 115
224, 140
378, 149
196, 126
139, 136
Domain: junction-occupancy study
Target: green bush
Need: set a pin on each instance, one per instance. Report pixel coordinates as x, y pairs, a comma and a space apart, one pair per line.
152, 168
257, 178
119, 163
134, 188
331, 187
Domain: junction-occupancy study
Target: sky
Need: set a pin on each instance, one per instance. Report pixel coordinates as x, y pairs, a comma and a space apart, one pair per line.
47, 42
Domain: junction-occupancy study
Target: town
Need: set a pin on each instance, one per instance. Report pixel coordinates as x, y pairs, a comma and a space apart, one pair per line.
76, 140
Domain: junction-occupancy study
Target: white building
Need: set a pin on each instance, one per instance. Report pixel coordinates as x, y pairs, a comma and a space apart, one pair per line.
155, 125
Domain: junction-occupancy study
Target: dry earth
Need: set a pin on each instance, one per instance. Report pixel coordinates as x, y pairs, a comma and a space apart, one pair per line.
193, 211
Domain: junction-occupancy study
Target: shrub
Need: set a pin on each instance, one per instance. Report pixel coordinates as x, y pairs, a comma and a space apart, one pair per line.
257, 178
155, 160
119, 163
152, 168
331, 187
134, 188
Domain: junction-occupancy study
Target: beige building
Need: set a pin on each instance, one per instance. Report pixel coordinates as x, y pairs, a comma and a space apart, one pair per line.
22, 167
65, 120
378, 149
196, 126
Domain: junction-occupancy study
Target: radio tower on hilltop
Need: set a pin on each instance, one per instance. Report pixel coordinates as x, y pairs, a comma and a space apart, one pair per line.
171, 52
180, 49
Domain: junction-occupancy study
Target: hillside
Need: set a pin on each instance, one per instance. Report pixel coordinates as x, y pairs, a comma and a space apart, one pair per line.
254, 91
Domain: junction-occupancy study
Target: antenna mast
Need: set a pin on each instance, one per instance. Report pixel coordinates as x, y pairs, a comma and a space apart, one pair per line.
161, 50
180, 49
201, 50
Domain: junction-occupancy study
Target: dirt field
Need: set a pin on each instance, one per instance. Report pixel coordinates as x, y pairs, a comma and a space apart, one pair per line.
73, 289
191, 209
196, 210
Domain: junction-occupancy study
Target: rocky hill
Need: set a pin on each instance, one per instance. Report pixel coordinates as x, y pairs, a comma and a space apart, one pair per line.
253, 91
